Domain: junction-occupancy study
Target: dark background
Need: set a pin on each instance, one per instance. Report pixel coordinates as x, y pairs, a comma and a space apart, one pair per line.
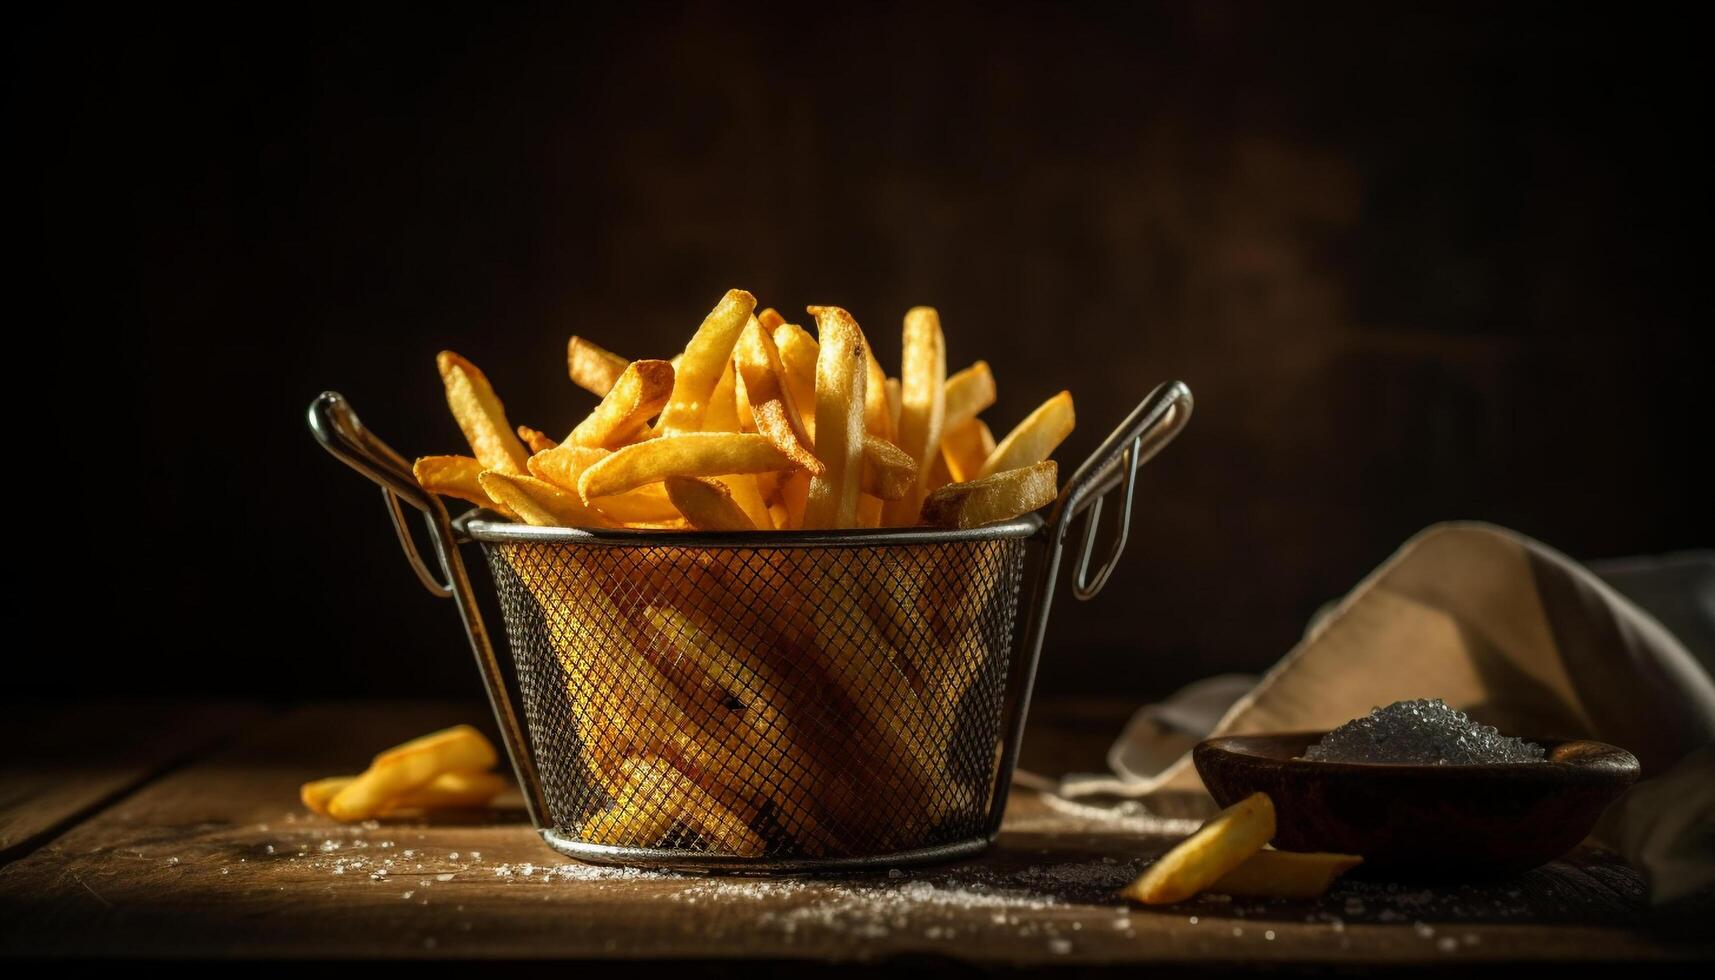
1418, 262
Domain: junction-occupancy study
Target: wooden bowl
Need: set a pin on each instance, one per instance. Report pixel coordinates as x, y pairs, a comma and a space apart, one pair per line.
1424, 822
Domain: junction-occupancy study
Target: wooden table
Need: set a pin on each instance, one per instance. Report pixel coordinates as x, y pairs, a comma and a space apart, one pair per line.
175, 831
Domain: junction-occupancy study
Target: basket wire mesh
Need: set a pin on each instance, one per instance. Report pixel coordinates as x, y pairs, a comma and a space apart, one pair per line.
773, 700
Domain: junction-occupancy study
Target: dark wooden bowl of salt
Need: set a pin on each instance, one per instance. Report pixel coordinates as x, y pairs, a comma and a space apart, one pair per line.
1423, 822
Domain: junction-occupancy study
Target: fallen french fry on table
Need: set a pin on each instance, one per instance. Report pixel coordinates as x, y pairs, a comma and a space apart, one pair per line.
1285, 874
403, 770
1222, 844
448, 791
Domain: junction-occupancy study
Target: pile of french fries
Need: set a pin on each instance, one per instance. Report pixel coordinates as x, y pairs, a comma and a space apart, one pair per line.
757, 425
1229, 855
766, 701
444, 770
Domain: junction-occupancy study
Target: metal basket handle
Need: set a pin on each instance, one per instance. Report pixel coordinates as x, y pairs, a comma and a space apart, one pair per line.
1145, 432
340, 432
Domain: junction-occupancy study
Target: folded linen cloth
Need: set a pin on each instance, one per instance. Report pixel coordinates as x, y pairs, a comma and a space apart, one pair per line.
1500, 626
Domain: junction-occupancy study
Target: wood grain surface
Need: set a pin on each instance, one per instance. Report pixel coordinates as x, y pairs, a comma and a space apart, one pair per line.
217, 859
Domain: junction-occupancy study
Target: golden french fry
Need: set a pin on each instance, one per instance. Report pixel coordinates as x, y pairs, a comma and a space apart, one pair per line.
563, 464
705, 358
869, 509
888, 472
746, 421
706, 504
778, 517
639, 816
772, 405
770, 319
409, 766
448, 791
840, 381
1224, 843
893, 403
968, 393
877, 417
938, 476
798, 355
795, 494
1285, 874
539, 502
695, 807
999, 497
636, 396
593, 369
1035, 438
722, 416
923, 405
316, 794
691, 454
536, 440
965, 447
480, 415
456, 476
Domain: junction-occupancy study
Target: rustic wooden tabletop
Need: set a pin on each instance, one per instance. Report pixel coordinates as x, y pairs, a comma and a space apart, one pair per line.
175, 831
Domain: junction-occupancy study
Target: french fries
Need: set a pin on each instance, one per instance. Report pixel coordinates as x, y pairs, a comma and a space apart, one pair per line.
923, 406
964, 448
640, 392
453, 790
749, 695
992, 498
409, 767
693, 454
1224, 843
1034, 438
773, 408
706, 504
1285, 874
537, 440
706, 357
480, 415
593, 369
841, 375
540, 503
457, 476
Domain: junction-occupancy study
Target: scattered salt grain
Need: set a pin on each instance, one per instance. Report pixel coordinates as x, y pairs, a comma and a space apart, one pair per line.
172, 861
1447, 944
1059, 947
444, 876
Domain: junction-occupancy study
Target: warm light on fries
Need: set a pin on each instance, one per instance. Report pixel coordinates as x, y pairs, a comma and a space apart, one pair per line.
757, 425
1224, 843
406, 769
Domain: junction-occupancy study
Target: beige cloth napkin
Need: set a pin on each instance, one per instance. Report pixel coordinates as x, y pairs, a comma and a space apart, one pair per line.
1514, 633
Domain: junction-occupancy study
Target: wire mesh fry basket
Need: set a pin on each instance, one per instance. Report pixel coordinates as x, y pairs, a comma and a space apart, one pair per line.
769, 700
